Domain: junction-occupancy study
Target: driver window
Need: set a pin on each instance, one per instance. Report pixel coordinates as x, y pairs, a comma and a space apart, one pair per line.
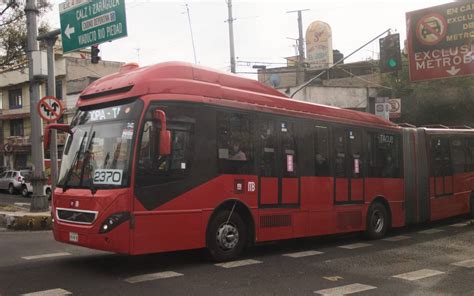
156, 169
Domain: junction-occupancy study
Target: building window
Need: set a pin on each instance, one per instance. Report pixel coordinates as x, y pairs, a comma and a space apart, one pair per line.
15, 98
16, 127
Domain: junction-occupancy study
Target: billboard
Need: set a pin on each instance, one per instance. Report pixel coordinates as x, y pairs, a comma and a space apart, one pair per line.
440, 41
319, 45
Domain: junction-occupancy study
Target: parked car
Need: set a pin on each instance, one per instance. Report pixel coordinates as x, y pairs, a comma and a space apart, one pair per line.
13, 180
27, 187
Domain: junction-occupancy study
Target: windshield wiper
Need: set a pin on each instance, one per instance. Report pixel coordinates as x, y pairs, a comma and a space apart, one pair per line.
86, 162
73, 164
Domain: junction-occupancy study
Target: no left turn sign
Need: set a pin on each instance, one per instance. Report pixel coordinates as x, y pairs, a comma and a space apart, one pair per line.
50, 108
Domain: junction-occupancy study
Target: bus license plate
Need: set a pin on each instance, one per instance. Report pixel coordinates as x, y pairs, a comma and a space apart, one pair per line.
73, 237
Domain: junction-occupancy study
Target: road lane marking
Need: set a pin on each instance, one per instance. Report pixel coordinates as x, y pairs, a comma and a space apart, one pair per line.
303, 254
466, 263
238, 263
355, 246
462, 224
431, 231
152, 276
52, 292
43, 256
396, 238
418, 275
345, 290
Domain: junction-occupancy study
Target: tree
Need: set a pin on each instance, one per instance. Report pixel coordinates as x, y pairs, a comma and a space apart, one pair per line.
13, 31
448, 101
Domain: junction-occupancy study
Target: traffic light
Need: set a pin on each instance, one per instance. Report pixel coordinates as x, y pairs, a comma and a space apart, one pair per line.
390, 58
95, 54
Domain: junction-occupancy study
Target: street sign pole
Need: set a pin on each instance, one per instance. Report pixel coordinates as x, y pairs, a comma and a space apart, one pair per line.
38, 199
50, 39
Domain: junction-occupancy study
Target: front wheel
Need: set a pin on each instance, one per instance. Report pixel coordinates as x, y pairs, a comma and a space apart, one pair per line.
48, 193
377, 221
226, 237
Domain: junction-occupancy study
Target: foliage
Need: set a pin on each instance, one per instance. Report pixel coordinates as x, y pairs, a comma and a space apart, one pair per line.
447, 101
13, 30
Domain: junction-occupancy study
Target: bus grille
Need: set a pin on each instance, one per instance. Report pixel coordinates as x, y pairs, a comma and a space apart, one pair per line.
76, 216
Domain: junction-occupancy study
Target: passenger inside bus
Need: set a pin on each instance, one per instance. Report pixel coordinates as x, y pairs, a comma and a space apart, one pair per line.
237, 153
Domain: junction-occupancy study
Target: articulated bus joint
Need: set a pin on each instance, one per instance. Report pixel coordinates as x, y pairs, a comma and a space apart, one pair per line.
113, 221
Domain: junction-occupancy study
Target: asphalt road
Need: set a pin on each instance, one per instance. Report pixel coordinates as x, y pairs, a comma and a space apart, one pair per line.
426, 260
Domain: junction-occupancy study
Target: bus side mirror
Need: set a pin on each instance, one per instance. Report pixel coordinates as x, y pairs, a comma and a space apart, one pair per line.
165, 135
66, 128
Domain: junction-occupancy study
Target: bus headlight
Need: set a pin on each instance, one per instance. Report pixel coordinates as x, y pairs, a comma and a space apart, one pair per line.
113, 221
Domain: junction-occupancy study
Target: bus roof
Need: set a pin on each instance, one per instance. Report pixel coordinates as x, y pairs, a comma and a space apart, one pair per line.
188, 79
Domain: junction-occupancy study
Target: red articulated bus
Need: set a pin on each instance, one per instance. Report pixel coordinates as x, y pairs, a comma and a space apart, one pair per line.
177, 156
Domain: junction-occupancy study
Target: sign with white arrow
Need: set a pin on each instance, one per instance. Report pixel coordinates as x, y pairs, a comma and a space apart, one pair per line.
88, 22
440, 41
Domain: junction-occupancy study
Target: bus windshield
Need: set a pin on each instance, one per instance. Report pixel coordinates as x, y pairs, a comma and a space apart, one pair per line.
98, 154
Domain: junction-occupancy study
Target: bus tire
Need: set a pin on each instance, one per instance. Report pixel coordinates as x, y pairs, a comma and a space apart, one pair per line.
377, 221
226, 237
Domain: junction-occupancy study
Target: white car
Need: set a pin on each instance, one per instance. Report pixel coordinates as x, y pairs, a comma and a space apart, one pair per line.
27, 189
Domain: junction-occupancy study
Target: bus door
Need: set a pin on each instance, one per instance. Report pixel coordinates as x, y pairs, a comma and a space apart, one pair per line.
278, 177
348, 172
441, 181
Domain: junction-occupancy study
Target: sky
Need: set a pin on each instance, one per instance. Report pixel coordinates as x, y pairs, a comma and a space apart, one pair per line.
264, 32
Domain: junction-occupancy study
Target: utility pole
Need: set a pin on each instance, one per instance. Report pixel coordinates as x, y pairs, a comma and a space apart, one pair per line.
230, 20
50, 39
301, 58
191, 30
38, 199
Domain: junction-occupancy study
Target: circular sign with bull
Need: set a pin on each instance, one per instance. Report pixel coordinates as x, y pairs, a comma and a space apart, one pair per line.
50, 108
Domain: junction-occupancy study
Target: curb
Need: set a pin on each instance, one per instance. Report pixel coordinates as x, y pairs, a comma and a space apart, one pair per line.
23, 221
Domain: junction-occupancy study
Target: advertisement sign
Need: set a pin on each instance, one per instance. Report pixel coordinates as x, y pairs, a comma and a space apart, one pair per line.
440, 41
319, 45
395, 108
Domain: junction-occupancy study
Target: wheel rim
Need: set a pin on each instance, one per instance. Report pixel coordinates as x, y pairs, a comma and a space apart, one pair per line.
25, 191
378, 221
10, 189
227, 236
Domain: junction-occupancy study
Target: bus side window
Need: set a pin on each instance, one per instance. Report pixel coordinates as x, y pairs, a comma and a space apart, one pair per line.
267, 139
340, 150
321, 150
459, 154
234, 143
440, 157
384, 155
156, 169
288, 146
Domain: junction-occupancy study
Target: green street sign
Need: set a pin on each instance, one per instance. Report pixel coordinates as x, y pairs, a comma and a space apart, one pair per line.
88, 22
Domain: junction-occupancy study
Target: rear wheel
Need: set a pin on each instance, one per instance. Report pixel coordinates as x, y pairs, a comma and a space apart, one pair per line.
226, 237
24, 191
11, 189
377, 221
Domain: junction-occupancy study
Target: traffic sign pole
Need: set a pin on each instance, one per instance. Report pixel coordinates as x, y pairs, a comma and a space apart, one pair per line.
50, 39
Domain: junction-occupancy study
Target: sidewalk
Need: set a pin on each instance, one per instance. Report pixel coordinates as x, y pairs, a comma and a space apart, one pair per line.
15, 215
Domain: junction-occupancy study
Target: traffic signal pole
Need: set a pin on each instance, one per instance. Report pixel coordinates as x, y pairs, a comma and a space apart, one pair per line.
38, 199
50, 39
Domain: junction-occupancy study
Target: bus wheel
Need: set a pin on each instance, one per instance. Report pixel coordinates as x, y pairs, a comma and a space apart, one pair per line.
227, 236
377, 221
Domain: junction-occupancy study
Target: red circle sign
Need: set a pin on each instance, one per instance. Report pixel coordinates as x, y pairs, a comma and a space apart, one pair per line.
50, 108
431, 29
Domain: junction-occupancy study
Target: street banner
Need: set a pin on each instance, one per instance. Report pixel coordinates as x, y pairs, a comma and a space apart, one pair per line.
440, 41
